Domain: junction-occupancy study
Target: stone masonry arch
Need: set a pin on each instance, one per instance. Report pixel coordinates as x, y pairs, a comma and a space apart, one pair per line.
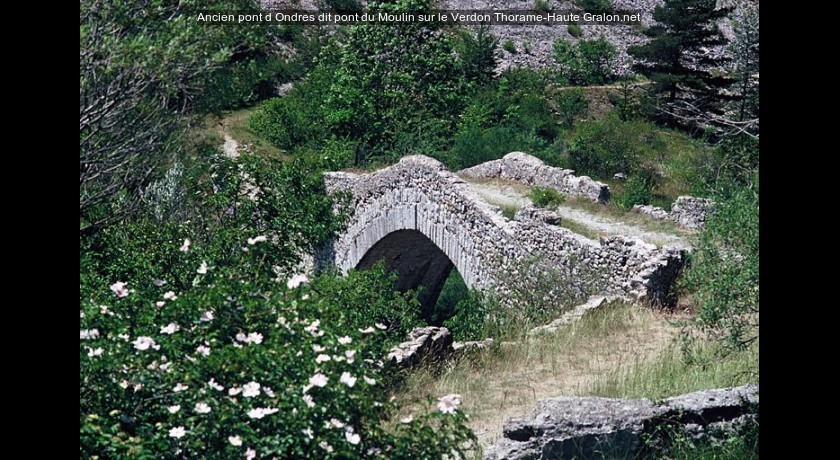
423, 220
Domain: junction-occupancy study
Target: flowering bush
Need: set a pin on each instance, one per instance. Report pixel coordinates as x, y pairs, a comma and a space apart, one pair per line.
239, 365
195, 343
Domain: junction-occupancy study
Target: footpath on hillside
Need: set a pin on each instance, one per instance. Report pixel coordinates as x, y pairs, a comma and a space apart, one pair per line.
510, 194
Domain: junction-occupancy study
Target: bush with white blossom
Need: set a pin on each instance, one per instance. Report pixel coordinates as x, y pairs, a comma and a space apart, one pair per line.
238, 367
192, 346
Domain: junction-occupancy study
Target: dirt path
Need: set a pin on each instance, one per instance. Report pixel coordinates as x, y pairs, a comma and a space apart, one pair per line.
511, 194
230, 147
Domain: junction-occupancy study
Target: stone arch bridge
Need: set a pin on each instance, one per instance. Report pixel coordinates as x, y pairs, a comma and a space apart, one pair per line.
423, 220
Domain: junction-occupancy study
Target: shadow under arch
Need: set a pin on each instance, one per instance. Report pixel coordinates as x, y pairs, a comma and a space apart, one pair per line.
418, 261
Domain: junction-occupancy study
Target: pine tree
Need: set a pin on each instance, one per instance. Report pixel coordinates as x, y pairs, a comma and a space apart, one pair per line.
677, 58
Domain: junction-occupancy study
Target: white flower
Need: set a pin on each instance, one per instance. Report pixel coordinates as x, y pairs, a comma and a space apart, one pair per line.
251, 389
170, 295
308, 400
308, 432
207, 316
250, 454
203, 350
268, 392
120, 289
104, 310
235, 441
252, 337
81, 314
186, 246
335, 423
95, 352
350, 354
143, 343
345, 340
449, 403
408, 419
125, 337
347, 379
177, 432
369, 380
368, 330
318, 348
170, 328
179, 387
352, 438
257, 239
381, 326
214, 385
158, 283
160, 303
322, 358
318, 380
202, 408
202, 269
234, 391
325, 445
297, 280
260, 412
85, 334
313, 328
174, 409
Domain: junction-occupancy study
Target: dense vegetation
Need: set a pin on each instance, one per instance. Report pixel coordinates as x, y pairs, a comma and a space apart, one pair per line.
199, 335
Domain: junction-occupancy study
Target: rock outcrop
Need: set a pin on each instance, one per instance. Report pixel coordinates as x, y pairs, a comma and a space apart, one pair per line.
422, 343
602, 428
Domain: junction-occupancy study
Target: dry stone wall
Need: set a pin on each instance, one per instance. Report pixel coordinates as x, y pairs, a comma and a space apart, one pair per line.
530, 170
686, 211
398, 210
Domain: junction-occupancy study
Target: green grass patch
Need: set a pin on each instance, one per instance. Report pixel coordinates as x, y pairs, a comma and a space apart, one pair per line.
673, 373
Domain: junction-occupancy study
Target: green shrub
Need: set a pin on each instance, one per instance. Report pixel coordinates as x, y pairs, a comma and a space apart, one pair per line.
476, 145
477, 54
237, 363
388, 78
637, 189
546, 197
510, 114
192, 345
470, 320
603, 147
287, 121
588, 62
575, 30
595, 6
454, 290
724, 270
509, 46
542, 6
571, 103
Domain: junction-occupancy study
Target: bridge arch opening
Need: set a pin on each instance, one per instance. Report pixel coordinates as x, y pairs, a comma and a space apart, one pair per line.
420, 265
